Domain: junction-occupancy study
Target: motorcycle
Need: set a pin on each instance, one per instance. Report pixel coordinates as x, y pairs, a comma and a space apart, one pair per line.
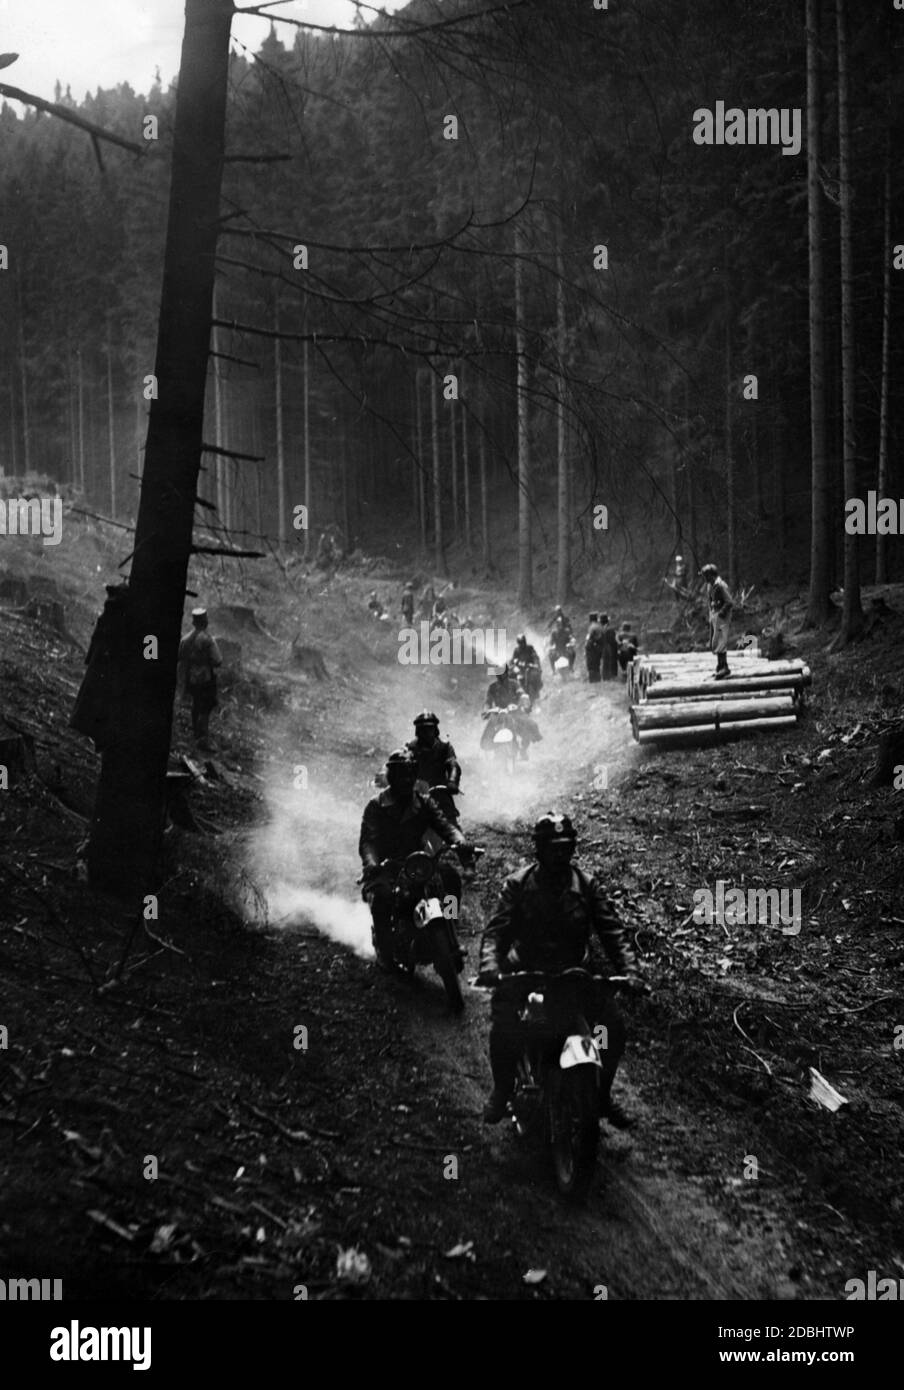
504, 744
562, 658
557, 1086
421, 933
530, 676
443, 795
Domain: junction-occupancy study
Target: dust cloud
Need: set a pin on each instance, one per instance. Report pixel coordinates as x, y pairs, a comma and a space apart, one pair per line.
305, 856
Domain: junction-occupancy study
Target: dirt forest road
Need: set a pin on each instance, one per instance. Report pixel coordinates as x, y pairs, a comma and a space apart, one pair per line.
230, 1102
654, 1226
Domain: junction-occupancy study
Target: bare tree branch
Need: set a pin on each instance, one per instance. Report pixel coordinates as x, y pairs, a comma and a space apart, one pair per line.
64, 113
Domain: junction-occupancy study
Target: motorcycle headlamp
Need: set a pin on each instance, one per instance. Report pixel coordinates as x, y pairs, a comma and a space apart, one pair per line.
419, 867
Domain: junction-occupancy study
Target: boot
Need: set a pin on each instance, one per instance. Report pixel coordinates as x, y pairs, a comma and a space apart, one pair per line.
496, 1106
615, 1114
722, 666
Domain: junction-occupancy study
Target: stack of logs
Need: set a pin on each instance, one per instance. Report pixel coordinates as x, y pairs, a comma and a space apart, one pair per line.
675, 695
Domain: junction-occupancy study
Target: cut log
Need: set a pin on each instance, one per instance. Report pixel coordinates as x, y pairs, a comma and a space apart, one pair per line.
678, 690
701, 731
670, 714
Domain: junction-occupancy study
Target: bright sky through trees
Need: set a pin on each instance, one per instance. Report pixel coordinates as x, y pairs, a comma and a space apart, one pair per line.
98, 43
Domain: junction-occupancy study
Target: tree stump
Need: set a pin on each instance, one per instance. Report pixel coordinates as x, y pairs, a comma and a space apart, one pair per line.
13, 590
49, 612
889, 755
17, 752
236, 615
308, 659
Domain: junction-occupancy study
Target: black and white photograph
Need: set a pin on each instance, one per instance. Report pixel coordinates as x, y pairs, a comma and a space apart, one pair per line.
452, 671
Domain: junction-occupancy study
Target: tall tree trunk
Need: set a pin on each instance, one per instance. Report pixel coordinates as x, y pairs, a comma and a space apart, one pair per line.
23, 377
730, 483
306, 394
419, 464
525, 555
484, 500
852, 613
563, 508
127, 827
882, 473
819, 604
219, 463
466, 472
346, 504
81, 421
690, 477
439, 557
13, 446
280, 441
453, 450
111, 431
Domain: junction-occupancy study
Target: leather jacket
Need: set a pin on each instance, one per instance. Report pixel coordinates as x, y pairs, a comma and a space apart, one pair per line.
538, 925
392, 829
437, 766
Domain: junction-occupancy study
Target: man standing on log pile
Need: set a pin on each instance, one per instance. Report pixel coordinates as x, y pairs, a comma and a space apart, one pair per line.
720, 606
199, 657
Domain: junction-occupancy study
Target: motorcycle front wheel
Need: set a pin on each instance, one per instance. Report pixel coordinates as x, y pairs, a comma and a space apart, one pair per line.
576, 1132
445, 967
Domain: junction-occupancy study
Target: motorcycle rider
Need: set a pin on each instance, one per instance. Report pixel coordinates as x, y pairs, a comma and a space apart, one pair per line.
526, 661
543, 921
392, 827
502, 692
561, 642
437, 764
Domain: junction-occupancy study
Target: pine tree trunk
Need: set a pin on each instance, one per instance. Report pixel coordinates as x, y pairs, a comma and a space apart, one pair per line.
563, 556
111, 432
439, 560
23, 378
306, 402
280, 439
81, 421
525, 558
453, 451
852, 613
882, 472
466, 474
13, 446
127, 828
419, 464
730, 485
819, 605
219, 463
484, 501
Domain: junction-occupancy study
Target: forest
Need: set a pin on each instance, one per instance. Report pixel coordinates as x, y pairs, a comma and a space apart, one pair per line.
481, 326
492, 272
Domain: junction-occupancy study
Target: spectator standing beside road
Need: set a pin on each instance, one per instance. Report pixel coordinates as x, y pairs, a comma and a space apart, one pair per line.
199, 660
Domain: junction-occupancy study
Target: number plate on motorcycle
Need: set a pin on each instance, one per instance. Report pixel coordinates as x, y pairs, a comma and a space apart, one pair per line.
578, 1051
427, 910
